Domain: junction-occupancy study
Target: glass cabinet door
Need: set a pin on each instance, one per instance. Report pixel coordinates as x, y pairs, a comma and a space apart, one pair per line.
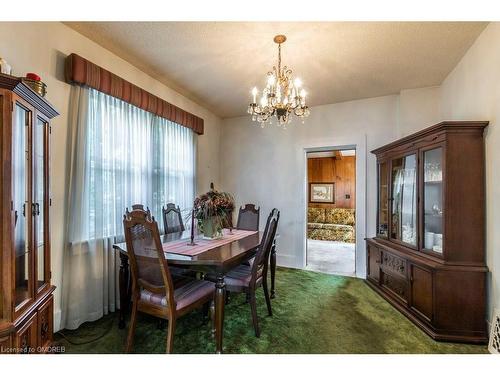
383, 200
39, 187
433, 200
20, 203
404, 199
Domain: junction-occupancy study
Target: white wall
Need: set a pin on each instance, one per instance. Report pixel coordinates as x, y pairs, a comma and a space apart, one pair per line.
418, 108
472, 92
267, 166
42, 48
263, 165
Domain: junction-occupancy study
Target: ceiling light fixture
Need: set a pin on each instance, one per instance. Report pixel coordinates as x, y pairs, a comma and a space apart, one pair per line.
281, 96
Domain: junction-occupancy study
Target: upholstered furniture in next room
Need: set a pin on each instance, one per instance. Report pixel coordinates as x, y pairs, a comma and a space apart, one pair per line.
332, 224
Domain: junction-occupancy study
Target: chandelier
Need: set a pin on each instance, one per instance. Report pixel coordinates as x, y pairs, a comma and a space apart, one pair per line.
281, 97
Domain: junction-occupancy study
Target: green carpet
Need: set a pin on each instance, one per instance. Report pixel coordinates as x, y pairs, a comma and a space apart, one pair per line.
313, 313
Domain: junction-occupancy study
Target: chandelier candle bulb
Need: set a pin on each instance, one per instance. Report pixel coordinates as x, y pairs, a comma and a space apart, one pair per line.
254, 93
303, 96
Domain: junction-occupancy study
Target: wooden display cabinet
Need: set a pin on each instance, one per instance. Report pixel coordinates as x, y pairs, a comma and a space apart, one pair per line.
26, 302
428, 257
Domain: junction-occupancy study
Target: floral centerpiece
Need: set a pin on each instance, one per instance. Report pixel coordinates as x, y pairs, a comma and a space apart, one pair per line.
212, 210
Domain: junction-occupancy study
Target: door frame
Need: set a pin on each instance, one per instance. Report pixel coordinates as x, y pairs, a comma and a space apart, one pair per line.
358, 144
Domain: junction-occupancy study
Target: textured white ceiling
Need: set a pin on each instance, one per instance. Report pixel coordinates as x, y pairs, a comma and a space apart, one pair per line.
217, 63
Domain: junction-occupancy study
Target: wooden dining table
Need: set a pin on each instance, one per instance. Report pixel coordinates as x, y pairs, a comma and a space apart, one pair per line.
217, 261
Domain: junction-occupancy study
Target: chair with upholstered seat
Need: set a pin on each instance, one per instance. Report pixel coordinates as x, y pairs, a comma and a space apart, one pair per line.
247, 278
248, 217
172, 219
153, 291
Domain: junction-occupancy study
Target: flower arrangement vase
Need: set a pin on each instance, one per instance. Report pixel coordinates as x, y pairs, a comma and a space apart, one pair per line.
211, 228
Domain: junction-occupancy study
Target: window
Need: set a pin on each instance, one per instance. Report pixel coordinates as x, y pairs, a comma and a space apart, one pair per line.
133, 157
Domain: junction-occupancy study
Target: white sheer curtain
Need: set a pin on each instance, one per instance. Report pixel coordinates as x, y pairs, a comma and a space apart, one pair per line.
120, 155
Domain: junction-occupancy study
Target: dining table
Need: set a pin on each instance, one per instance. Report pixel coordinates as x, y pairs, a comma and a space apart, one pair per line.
209, 257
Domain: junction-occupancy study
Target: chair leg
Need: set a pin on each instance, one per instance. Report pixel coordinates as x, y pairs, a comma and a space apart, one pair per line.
253, 307
131, 329
170, 335
266, 294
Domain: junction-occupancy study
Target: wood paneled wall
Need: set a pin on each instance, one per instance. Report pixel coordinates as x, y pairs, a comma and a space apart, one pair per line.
342, 171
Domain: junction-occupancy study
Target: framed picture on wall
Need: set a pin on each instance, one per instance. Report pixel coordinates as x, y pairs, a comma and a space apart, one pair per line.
321, 192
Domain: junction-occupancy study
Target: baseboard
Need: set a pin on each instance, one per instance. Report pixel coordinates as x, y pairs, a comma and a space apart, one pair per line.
288, 261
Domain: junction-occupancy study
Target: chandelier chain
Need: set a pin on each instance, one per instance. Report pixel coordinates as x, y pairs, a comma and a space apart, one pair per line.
279, 59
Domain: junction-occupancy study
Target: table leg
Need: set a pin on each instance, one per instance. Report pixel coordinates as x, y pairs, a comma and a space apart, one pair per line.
273, 268
220, 291
124, 290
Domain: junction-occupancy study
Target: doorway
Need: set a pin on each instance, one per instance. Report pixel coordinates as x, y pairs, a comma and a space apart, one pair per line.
331, 211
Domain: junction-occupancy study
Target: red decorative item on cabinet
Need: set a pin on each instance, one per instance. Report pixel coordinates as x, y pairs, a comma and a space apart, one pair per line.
33, 76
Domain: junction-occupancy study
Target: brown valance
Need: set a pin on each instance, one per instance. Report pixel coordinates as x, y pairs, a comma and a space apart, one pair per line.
83, 72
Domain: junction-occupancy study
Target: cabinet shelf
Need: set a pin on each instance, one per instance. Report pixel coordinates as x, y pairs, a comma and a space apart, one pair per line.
432, 214
24, 253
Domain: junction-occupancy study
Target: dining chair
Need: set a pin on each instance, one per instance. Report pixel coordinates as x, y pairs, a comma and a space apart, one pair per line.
172, 219
247, 278
153, 291
248, 217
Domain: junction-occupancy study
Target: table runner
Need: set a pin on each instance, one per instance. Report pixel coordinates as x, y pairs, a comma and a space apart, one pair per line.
181, 246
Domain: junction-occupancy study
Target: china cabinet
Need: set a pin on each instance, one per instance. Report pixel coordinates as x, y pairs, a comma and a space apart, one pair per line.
26, 301
428, 256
